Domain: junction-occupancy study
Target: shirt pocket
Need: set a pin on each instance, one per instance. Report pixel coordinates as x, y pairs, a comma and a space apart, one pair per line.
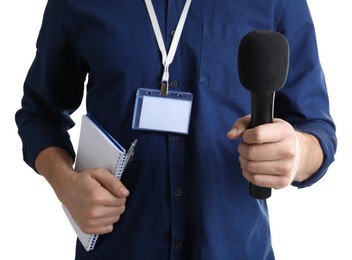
218, 66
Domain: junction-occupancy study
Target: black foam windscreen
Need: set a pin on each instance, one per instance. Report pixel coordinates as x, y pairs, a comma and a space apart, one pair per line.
263, 61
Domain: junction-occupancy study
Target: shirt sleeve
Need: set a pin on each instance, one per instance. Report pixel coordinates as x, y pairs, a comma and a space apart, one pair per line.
53, 88
304, 101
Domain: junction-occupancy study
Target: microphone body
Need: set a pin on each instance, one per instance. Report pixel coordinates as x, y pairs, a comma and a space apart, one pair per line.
263, 59
262, 109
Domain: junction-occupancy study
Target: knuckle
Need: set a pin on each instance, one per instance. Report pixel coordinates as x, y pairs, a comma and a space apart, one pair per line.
122, 209
282, 182
96, 198
289, 153
90, 214
117, 218
257, 136
255, 179
86, 228
286, 169
245, 164
251, 154
249, 166
121, 202
246, 175
109, 229
246, 151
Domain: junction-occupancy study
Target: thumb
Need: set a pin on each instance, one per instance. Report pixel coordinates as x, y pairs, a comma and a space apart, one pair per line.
111, 183
239, 127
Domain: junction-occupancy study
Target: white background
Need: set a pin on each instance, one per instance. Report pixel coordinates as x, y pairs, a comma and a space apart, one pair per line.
312, 223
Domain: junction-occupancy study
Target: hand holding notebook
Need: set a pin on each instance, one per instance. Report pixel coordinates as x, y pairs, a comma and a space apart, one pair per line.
97, 149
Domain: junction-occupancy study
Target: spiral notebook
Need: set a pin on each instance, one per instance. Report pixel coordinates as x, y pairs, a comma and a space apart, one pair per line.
97, 148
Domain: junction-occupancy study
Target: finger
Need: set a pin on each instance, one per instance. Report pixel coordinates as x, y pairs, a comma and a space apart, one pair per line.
268, 151
239, 127
108, 218
106, 211
111, 183
272, 168
97, 229
103, 197
267, 133
101, 219
268, 181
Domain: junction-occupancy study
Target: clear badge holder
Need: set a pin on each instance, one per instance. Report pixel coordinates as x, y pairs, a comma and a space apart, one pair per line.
155, 112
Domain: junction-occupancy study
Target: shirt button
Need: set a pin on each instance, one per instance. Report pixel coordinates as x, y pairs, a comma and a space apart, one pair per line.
179, 245
176, 138
174, 84
172, 33
178, 192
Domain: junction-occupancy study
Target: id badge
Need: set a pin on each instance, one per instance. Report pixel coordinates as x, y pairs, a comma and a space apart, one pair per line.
155, 112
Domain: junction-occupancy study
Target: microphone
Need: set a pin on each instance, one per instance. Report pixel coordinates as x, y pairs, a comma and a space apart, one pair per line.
263, 61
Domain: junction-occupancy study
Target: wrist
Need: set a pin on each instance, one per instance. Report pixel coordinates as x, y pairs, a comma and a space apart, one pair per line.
311, 156
55, 165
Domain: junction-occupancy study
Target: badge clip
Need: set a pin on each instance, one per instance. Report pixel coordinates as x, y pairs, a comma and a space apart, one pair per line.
164, 88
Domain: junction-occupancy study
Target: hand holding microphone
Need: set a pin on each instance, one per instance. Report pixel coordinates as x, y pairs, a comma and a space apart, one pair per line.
263, 60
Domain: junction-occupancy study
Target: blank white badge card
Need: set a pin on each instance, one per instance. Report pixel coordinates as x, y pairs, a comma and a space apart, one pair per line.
169, 113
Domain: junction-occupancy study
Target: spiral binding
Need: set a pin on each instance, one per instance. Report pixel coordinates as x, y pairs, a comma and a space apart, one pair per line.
120, 165
91, 242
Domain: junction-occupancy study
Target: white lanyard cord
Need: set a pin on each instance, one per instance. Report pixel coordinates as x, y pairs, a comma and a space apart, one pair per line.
167, 58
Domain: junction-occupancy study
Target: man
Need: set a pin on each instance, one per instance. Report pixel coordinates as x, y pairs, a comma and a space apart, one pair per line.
185, 195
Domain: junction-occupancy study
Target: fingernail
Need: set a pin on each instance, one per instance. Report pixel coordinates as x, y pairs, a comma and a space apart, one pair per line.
232, 132
123, 191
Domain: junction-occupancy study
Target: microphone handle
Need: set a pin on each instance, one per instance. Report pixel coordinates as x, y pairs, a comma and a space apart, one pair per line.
262, 113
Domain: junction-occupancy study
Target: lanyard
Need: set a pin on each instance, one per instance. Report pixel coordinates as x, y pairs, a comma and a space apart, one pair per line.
167, 58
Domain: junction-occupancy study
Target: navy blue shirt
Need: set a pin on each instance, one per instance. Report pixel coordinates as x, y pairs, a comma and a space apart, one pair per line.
188, 198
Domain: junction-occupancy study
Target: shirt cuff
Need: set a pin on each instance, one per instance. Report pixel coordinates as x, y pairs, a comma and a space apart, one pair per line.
325, 133
37, 135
